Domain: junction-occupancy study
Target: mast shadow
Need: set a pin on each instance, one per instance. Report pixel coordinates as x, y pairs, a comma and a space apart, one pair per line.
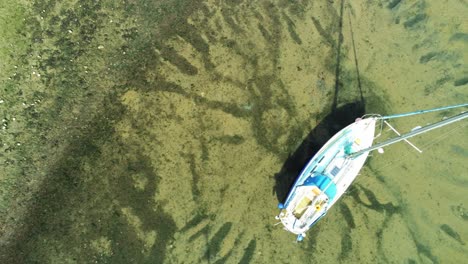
337, 119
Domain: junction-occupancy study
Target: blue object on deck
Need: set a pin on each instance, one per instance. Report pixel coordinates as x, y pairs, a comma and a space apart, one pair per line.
299, 238
322, 181
281, 206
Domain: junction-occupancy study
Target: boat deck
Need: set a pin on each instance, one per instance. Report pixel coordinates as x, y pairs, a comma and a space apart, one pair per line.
305, 202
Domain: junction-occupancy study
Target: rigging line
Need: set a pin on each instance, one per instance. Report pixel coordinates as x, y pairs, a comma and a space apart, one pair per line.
425, 111
425, 146
443, 136
398, 133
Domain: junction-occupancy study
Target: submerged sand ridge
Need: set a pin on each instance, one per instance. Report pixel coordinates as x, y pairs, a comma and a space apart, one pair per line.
158, 130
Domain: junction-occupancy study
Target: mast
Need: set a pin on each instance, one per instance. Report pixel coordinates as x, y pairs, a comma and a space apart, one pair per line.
423, 111
412, 133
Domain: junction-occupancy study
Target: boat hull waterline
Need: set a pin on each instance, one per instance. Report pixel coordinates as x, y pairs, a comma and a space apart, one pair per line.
326, 177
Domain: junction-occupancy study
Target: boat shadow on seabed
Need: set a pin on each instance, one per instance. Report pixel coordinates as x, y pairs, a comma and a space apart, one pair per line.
329, 126
339, 118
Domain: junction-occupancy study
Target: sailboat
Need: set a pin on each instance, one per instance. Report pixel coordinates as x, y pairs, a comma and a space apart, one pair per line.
334, 167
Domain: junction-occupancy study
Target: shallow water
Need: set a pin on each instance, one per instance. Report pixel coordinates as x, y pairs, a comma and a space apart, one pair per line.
168, 131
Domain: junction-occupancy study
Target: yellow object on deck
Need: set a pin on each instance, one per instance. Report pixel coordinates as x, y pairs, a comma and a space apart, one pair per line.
306, 201
301, 207
316, 191
357, 141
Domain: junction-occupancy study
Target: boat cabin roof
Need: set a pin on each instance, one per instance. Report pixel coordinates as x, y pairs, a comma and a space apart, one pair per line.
324, 183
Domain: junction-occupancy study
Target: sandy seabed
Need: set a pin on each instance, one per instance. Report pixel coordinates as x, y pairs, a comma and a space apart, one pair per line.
168, 131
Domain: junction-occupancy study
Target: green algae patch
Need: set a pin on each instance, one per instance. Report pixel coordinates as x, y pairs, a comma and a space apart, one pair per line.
461, 81
61, 103
415, 20
249, 252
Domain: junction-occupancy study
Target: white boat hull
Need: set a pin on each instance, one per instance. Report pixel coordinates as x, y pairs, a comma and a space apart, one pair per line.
326, 177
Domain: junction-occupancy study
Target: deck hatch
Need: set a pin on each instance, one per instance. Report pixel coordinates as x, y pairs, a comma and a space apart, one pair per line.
335, 171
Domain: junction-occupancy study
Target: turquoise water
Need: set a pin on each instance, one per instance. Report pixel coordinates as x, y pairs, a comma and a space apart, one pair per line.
168, 131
